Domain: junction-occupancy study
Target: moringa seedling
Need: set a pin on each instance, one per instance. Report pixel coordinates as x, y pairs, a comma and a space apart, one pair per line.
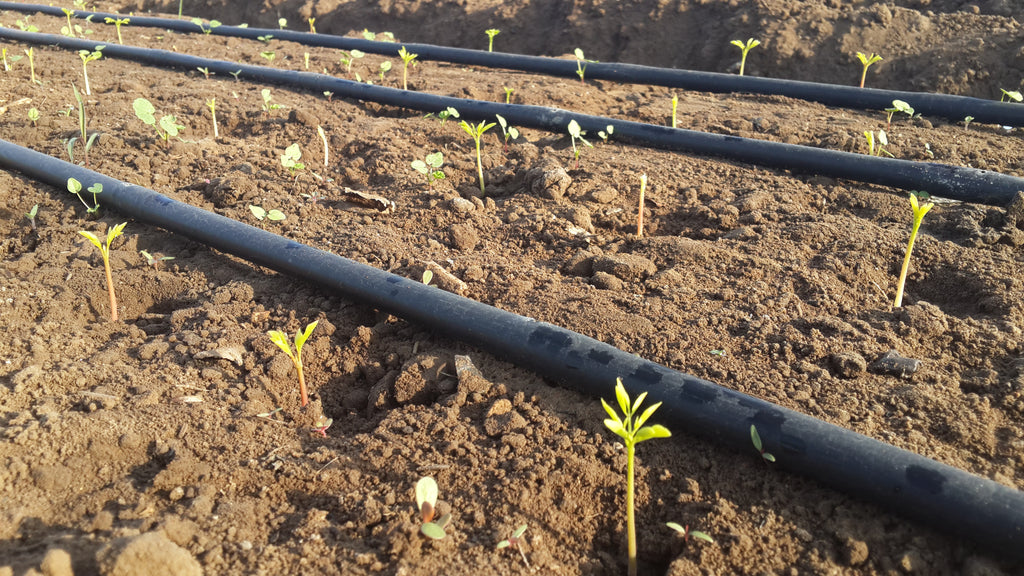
87, 57
31, 215
260, 213
477, 132
919, 211
312, 27
205, 29
491, 33
282, 23
117, 22
32, 65
1011, 96
385, 67
68, 30
967, 121
281, 339
632, 431
265, 39
514, 542
882, 141
675, 104
640, 209
686, 532
581, 64
407, 58
112, 233
212, 105
430, 167
755, 439
577, 134
96, 190
154, 260
426, 504
269, 55
444, 115
267, 105
33, 115
605, 134
898, 106
508, 94
866, 61
290, 160
507, 132
75, 187
167, 126
206, 71
745, 47
349, 58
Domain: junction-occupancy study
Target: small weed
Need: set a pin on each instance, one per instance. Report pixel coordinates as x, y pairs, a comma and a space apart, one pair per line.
205, 29
385, 67
154, 260
967, 121
206, 71
269, 55
83, 121
755, 439
640, 209
265, 39
312, 26
282, 23
514, 542
919, 211
876, 147
281, 339
30, 52
290, 160
581, 64
267, 104
745, 47
87, 57
212, 105
33, 115
898, 106
112, 233
430, 167
444, 115
349, 58
508, 94
675, 105
866, 61
687, 533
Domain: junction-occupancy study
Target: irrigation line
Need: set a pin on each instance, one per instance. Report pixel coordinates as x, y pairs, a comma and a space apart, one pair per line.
938, 495
951, 107
953, 182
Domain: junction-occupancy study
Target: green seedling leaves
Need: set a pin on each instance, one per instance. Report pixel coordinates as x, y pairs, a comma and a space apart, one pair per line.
281, 340
755, 439
170, 125
426, 503
1011, 95
290, 158
112, 233
745, 47
866, 62
898, 106
919, 211
577, 134
491, 33
687, 533
145, 111
513, 541
430, 167
260, 213
477, 132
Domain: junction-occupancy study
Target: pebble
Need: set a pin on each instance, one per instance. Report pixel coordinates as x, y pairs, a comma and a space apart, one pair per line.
892, 363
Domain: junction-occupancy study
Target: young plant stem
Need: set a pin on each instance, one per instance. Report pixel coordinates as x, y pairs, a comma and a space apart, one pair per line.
323, 137
212, 103
640, 210
32, 65
630, 513
105, 252
477, 132
919, 211
866, 61
746, 48
675, 104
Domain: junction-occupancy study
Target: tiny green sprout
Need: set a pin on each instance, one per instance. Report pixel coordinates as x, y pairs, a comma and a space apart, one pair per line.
577, 134
206, 71
260, 213
430, 167
675, 105
168, 125
329, 95
312, 26
31, 215
745, 47
508, 132
508, 94
581, 64
265, 39
632, 431
117, 22
606, 133
269, 55
514, 542
491, 33
305, 59
407, 58
68, 30
879, 148
205, 29
919, 211
24, 26
33, 115
235, 74
349, 58
1011, 96
369, 35
385, 67
267, 105
428, 275
112, 233
755, 439
282, 23
32, 65
686, 532
96, 190
212, 105
967, 121
83, 121
866, 61
898, 106
321, 426
477, 132
640, 208
290, 159
717, 352
87, 57
388, 36
444, 115
154, 260
426, 504
281, 339
181, 4
75, 187
323, 138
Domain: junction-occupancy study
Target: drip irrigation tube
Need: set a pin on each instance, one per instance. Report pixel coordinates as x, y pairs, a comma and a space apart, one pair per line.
953, 182
938, 495
948, 106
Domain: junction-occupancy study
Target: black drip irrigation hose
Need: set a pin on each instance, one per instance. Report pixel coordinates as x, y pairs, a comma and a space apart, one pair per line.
936, 494
951, 107
943, 180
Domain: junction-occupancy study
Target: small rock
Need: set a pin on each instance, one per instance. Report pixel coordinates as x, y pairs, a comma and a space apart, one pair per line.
461, 205
856, 551
892, 363
548, 179
150, 553
628, 267
463, 236
580, 216
581, 264
57, 562
849, 364
604, 195
606, 281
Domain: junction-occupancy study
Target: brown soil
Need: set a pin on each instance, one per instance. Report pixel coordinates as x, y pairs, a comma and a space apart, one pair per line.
128, 445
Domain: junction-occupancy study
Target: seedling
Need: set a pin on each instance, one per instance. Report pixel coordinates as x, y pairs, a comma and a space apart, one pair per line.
180, 4
675, 105
105, 251
290, 160
444, 115
508, 94
83, 121
305, 59
269, 55
428, 275
349, 58
267, 105
281, 339
755, 439
967, 121
328, 94
87, 57
605, 134
75, 187
477, 132
745, 47
369, 35
265, 39
430, 167
640, 209
686, 532
154, 260
322, 425
385, 67
507, 132
3, 54
1011, 96
206, 71
30, 52
33, 115
882, 141
514, 541
117, 22
323, 138
866, 61
31, 215
919, 211
898, 106
491, 33
581, 64
235, 75
312, 28
426, 503
212, 105
68, 30
260, 213
206, 29
24, 26
96, 189
632, 431
407, 58
577, 134
167, 126
282, 23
